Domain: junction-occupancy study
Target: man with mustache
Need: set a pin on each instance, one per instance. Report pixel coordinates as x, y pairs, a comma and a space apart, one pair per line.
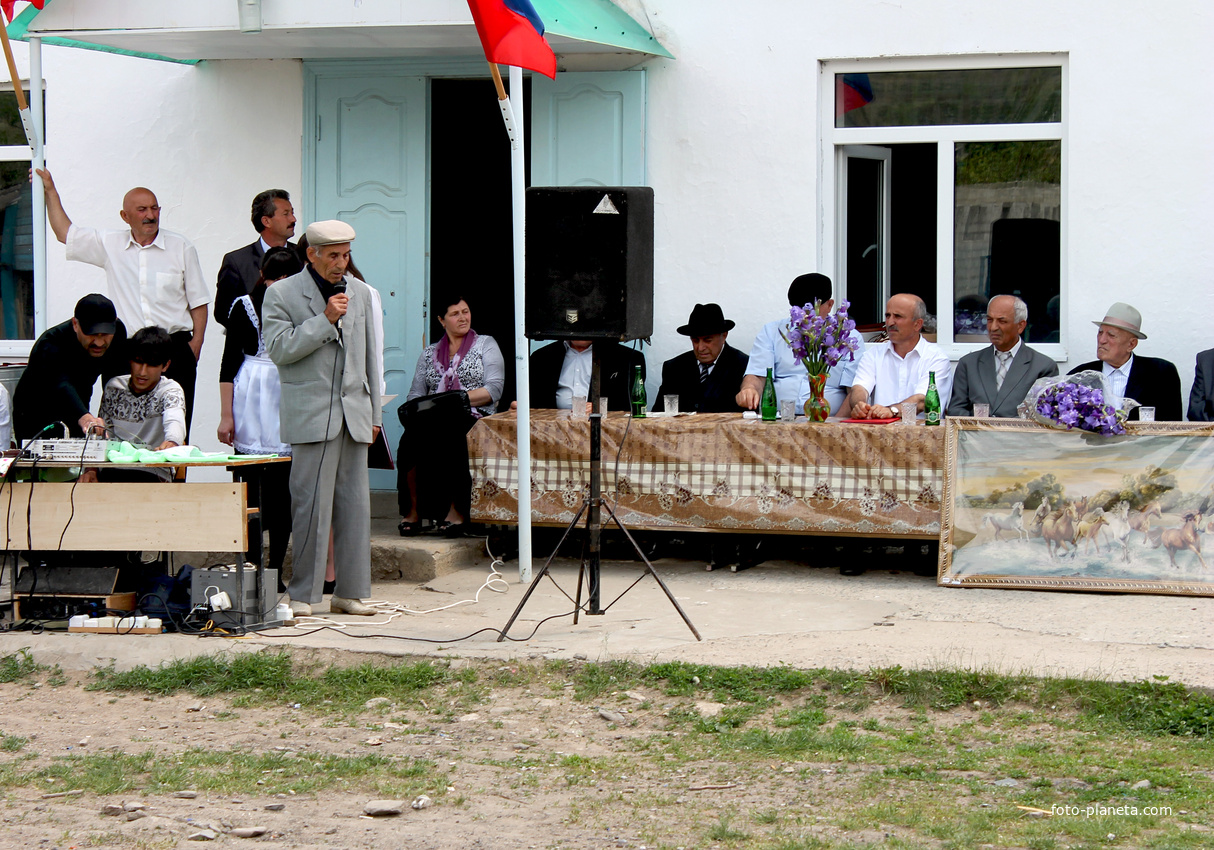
65, 362
896, 371
274, 220
154, 275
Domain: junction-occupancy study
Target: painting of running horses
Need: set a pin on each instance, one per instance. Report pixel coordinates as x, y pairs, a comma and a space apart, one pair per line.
1026, 506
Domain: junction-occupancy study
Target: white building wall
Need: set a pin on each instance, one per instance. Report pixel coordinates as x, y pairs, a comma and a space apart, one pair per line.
733, 153
205, 139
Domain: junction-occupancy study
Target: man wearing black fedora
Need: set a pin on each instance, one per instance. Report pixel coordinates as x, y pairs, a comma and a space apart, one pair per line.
705, 379
1150, 381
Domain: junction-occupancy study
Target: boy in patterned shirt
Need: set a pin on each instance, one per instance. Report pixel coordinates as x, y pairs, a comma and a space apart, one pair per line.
145, 408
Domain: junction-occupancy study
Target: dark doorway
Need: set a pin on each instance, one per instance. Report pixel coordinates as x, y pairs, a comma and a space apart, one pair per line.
912, 240
471, 239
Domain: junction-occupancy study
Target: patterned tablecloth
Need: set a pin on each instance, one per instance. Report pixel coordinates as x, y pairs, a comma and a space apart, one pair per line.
718, 471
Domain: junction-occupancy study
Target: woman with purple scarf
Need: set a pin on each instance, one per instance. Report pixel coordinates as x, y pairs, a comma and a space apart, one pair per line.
432, 478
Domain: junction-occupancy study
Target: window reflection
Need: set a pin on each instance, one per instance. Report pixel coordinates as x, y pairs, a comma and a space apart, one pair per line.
934, 98
16, 231
1007, 214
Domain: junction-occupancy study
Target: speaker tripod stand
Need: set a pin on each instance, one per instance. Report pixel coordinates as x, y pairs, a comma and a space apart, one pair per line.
592, 507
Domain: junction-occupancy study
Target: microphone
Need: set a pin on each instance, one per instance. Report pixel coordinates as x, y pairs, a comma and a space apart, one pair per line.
340, 286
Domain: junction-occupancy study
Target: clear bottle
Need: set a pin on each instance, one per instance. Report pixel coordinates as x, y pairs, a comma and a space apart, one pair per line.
637, 394
768, 405
931, 402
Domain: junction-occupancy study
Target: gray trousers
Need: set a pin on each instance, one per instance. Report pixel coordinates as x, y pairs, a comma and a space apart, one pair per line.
329, 488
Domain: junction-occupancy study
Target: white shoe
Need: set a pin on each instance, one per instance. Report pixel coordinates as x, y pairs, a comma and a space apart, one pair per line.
300, 609
341, 605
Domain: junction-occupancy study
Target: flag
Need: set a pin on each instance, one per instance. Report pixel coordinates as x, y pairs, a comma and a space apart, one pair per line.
7, 6
513, 34
851, 92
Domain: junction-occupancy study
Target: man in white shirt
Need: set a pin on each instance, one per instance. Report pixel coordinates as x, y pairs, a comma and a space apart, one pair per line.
154, 275
770, 351
896, 371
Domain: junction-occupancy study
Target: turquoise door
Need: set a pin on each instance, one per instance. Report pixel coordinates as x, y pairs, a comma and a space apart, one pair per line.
371, 172
588, 129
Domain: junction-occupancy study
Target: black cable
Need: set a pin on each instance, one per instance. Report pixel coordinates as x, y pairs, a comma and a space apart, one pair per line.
489, 629
72, 494
313, 518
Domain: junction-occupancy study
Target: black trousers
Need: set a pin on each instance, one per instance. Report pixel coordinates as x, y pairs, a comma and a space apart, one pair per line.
436, 446
183, 369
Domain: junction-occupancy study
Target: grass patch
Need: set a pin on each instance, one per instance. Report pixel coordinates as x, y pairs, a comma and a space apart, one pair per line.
19, 665
230, 773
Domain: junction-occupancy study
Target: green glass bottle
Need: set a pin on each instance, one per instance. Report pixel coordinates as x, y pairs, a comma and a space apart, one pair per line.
931, 402
637, 394
768, 406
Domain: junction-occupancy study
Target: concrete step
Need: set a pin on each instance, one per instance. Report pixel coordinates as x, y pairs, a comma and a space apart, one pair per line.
419, 559
393, 558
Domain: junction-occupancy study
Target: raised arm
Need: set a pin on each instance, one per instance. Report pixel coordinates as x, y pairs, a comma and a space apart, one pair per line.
55, 214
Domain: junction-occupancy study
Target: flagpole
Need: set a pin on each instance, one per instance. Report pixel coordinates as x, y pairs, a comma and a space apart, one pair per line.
510, 108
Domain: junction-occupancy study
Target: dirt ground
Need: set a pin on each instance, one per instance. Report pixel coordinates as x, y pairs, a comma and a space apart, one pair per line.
525, 770
532, 769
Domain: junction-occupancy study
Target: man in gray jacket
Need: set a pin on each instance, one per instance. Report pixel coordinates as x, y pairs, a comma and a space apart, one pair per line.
318, 332
1002, 374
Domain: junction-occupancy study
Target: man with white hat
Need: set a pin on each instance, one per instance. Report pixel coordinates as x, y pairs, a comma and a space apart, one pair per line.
318, 332
1150, 381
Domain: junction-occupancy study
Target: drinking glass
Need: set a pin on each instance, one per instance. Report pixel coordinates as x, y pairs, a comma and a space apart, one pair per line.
671, 402
910, 413
1146, 414
982, 411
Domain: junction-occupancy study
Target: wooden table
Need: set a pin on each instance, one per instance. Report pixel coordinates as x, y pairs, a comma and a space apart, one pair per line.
719, 471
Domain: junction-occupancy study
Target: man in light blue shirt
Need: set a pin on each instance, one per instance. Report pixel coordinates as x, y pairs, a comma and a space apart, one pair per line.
770, 351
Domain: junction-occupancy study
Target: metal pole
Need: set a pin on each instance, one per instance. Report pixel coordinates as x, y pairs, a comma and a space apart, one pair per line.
518, 192
38, 160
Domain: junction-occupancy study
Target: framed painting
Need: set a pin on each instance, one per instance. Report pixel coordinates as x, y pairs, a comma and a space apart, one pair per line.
1025, 506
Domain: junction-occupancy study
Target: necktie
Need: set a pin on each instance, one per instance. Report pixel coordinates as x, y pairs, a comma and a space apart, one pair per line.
1005, 360
704, 367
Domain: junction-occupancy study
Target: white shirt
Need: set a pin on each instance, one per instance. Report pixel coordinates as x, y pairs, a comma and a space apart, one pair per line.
575, 376
890, 379
153, 285
770, 351
1117, 379
6, 419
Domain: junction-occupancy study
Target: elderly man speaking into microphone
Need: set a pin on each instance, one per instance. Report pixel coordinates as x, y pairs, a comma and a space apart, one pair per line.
318, 333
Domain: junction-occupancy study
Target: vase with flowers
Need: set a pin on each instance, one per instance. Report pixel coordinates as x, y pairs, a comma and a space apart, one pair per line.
820, 342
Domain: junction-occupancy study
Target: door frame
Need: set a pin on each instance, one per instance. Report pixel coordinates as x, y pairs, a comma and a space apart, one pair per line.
885, 156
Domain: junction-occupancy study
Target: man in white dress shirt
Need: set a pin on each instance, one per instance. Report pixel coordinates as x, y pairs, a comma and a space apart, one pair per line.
154, 275
896, 371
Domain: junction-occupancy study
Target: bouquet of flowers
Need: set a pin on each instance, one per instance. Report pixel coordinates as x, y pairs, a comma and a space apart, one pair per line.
820, 342
1076, 401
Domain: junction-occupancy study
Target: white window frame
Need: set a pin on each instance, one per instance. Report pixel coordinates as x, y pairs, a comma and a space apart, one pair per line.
946, 137
19, 349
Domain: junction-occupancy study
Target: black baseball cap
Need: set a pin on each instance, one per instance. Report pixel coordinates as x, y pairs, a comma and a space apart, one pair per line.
96, 315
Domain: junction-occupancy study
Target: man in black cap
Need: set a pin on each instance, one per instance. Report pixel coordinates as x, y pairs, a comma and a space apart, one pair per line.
770, 351
706, 379
65, 362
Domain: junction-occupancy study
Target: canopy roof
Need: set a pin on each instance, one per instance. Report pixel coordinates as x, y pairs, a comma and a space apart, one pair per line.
584, 34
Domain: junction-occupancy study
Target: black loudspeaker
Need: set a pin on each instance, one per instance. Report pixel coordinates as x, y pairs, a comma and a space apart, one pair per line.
589, 262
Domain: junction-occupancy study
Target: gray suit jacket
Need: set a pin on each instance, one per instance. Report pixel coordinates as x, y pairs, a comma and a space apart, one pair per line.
974, 381
322, 381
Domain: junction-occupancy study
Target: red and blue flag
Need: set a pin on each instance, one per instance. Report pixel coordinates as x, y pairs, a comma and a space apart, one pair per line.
512, 33
851, 92
7, 6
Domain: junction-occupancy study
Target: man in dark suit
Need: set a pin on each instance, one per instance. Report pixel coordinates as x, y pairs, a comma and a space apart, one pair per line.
706, 378
1150, 381
274, 220
561, 370
1201, 397
1002, 374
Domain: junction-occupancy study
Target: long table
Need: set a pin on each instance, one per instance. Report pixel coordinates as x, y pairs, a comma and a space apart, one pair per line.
718, 471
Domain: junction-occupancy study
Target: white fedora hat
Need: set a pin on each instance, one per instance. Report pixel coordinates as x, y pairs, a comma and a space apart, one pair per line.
1122, 315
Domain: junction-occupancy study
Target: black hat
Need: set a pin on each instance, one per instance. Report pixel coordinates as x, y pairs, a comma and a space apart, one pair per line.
808, 288
96, 315
706, 319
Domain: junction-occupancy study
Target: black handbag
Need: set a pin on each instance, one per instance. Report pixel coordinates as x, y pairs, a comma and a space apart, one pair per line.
452, 406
